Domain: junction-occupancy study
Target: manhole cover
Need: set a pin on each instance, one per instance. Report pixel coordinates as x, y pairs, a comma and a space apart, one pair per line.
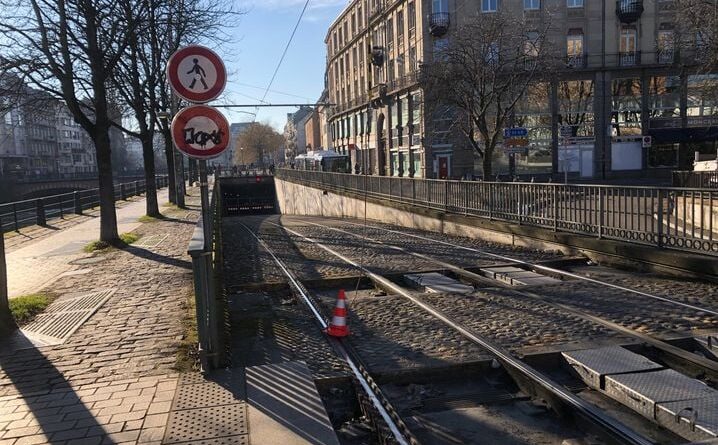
64, 317
217, 423
88, 260
151, 241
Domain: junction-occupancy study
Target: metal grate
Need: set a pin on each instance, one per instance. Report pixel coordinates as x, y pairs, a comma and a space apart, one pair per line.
64, 317
231, 440
151, 241
217, 423
204, 395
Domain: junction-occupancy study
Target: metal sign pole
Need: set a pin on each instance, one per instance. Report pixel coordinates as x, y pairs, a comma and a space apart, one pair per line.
204, 193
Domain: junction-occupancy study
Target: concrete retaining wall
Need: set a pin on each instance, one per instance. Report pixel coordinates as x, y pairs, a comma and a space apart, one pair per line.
298, 199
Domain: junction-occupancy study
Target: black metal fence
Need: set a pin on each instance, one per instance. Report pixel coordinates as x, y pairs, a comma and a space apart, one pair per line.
694, 179
19, 214
209, 296
675, 218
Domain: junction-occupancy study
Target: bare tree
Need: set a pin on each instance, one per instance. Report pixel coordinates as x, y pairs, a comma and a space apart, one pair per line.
477, 80
70, 49
257, 142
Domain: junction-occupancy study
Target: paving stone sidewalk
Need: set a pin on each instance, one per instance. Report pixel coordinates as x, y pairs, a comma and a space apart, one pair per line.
114, 379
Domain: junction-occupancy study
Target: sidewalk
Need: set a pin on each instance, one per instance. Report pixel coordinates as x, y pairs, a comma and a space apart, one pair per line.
34, 266
110, 379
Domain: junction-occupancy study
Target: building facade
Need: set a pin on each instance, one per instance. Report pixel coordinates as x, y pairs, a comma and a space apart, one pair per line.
624, 101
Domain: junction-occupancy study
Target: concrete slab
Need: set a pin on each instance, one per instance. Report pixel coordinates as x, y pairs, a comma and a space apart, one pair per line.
438, 283
285, 407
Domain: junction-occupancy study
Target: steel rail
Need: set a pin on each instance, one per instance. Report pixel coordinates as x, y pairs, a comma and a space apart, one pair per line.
614, 428
705, 363
547, 269
366, 386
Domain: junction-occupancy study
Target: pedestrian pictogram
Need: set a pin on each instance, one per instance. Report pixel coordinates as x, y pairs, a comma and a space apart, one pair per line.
196, 74
200, 132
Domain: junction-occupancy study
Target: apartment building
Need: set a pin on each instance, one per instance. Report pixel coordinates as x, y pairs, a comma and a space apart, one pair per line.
624, 100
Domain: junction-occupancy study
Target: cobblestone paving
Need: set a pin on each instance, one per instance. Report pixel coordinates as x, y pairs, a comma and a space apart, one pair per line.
113, 380
643, 314
690, 291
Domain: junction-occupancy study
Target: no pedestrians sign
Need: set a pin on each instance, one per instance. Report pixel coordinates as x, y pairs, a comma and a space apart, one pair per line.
196, 74
200, 132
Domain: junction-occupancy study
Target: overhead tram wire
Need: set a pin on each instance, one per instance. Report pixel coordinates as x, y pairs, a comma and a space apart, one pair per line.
284, 54
282, 93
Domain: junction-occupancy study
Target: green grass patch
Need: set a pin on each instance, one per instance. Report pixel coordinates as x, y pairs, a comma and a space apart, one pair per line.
147, 219
129, 238
26, 307
188, 354
96, 246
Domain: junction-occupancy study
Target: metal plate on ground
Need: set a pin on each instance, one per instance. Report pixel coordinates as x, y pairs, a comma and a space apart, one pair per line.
435, 282
594, 364
691, 419
88, 261
205, 395
151, 241
515, 276
216, 423
63, 317
642, 391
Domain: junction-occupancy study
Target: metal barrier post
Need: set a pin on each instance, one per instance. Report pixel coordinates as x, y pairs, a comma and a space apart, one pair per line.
446, 196
78, 203
14, 216
123, 196
555, 207
137, 188
660, 218
40, 212
601, 205
59, 201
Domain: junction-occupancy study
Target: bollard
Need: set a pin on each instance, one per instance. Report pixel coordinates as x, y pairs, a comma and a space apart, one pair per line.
123, 195
137, 188
40, 212
78, 203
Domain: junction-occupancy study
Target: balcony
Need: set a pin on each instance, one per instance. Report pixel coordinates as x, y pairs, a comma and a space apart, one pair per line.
629, 58
377, 56
377, 11
665, 56
629, 11
439, 23
377, 95
576, 61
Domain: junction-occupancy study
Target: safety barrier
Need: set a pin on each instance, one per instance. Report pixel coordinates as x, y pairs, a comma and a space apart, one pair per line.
205, 248
674, 218
694, 179
18, 214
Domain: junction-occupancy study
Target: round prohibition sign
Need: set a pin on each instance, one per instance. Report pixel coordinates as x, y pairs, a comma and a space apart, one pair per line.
200, 132
196, 74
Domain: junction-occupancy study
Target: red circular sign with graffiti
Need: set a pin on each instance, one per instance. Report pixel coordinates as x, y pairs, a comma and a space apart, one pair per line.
196, 74
200, 132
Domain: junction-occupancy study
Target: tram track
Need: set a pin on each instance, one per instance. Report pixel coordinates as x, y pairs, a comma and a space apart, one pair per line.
398, 429
537, 383
708, 366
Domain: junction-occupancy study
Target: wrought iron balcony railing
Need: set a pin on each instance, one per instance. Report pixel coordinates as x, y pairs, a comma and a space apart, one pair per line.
439, 23
628, 11
629, 58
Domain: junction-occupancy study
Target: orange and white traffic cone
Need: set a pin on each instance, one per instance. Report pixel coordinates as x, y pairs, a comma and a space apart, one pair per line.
338, 327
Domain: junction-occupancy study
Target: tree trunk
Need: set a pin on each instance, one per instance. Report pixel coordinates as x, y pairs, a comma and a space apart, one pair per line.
148, 153
486, 164
7, 324
169, 156
108, 217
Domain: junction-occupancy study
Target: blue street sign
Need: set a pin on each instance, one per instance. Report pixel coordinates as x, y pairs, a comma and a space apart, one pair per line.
516, 132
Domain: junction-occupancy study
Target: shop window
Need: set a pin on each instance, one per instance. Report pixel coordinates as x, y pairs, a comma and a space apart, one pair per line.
663, 155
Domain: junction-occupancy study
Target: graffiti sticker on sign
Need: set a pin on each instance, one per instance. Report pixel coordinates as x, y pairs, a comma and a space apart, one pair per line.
200, 132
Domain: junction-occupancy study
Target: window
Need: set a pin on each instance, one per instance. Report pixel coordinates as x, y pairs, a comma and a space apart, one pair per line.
360, 16
390, 34
413, 65
574, 3
440, 6
574, 49
489, 5
664, 45
531, 47
492, 53
411, 18
532, 4
354, 24
440, 47
400, 28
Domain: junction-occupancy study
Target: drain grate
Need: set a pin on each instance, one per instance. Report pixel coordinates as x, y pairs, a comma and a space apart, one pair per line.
216, 423
64, 317
151, 241
231, 440
191, 215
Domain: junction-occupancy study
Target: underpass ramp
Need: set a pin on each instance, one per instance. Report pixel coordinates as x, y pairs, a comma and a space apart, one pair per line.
284, 406
248, 195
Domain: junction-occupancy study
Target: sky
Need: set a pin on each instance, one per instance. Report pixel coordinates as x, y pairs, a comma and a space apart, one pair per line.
255, 47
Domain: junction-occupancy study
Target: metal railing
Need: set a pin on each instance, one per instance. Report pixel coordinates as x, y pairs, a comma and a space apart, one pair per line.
206, 253
674, 218
19, 214
694, 179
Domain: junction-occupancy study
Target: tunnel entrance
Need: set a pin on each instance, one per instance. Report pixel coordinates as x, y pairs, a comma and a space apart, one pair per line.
248, 195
